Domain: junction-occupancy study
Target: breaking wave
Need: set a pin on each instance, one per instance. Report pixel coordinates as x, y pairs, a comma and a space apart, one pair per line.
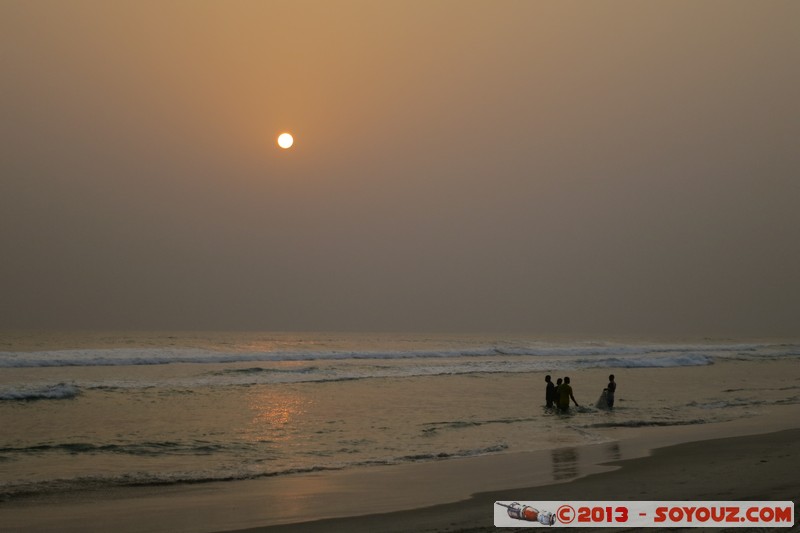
60, 391
22, 489
150, 449
610, 356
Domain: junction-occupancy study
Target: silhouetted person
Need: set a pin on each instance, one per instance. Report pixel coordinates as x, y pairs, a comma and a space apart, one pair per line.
550, 392
564, 395
555, 391
610, 389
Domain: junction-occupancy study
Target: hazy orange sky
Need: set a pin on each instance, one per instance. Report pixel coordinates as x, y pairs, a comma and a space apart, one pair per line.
542, 167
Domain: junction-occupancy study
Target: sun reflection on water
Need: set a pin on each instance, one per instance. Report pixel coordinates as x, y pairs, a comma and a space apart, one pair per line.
276, 414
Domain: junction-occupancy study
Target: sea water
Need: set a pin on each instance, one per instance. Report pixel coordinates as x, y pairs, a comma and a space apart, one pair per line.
92, 411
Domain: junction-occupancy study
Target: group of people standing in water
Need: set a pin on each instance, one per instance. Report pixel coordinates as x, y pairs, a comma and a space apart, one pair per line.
560, 393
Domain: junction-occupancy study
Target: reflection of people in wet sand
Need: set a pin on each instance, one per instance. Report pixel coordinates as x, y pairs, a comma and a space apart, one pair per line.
565, 463
564, 395
550, 392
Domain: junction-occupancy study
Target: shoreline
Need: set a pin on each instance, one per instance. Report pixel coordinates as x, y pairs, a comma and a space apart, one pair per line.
753, 467
452, 494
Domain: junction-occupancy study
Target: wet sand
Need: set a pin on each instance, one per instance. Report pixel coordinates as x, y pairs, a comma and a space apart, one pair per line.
760, 463
757, 467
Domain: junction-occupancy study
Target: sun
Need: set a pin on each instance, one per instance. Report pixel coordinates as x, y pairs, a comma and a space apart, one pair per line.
285, 140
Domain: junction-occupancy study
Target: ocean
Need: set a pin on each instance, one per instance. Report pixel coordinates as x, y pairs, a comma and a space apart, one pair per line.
88, 411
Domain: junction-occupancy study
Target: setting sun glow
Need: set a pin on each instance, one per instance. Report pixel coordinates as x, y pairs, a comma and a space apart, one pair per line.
285, 140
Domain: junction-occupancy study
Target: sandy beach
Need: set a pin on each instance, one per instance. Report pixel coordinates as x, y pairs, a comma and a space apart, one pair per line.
751, 468
721, 431
679, 463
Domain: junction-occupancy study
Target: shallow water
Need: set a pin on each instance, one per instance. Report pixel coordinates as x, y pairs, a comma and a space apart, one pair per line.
102, 410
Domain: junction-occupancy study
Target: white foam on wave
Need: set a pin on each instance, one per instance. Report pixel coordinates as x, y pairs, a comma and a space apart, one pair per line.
579, 355
650, 362
60, 391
